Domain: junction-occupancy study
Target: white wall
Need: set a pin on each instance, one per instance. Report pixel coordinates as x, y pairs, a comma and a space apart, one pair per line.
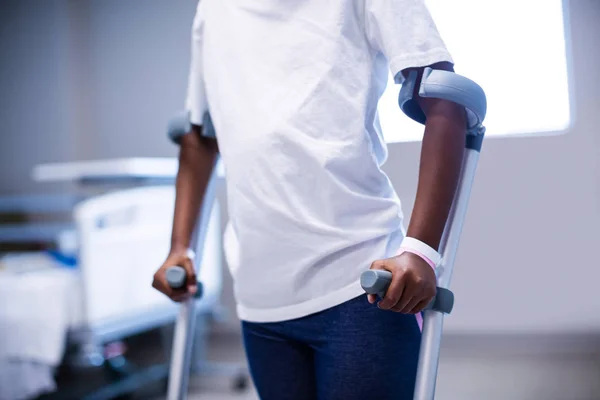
139, 55
527, 260
34, 112
88, 79
526, 263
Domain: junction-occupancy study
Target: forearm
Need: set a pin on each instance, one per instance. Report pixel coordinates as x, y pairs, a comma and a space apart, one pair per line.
442, 153
197, 157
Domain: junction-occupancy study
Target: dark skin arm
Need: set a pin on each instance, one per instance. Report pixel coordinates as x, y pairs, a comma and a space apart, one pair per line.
413, 280
197, 157
442, 153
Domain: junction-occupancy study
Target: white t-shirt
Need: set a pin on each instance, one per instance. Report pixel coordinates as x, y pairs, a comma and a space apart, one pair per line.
292, 88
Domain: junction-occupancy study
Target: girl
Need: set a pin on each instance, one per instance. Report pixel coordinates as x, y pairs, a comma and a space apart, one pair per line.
292, 87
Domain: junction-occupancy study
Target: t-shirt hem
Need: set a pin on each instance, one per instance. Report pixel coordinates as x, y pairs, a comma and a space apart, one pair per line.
300, 310
196, 116
402, 62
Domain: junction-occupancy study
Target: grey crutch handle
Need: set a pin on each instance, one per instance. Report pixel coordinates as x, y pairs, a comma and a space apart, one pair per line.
378, 281
176, 279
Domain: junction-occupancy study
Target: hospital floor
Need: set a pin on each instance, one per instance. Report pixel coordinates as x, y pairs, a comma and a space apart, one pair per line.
501, 368
224, 348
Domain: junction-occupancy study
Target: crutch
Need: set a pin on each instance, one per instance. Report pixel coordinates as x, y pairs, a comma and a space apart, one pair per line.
181, 352
456, 88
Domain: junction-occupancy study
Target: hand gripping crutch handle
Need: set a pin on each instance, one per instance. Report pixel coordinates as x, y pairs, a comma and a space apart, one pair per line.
176, 278
378, 281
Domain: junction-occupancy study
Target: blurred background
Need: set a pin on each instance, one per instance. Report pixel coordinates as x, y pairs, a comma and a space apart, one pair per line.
86, 196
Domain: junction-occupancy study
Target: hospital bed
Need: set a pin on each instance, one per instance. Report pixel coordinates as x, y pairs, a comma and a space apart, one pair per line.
118, 231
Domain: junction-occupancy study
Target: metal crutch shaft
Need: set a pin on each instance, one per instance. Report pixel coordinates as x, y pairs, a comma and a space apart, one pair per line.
184, 326
433, 320
377, 282
181, 353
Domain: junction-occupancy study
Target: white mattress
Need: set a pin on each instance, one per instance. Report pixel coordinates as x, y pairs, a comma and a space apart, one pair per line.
121, 239
23, 380
36, 311
40, 302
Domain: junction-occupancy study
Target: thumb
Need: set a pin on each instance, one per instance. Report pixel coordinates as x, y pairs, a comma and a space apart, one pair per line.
377, 265
190, 273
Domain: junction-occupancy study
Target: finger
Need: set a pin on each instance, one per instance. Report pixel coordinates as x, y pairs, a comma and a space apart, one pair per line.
376, 265
190, 277
420, 307
190, 272
179, 298
412, 303
159, 283
429, 295
395, 291
372, 298
411, 293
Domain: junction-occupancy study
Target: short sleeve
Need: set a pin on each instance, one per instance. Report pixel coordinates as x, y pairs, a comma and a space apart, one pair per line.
196, 102
405, 33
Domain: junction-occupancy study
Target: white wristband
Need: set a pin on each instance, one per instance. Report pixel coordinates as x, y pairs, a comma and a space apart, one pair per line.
191, 254
422, 248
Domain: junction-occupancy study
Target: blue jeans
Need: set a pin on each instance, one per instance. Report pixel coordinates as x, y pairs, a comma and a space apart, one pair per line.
353, 351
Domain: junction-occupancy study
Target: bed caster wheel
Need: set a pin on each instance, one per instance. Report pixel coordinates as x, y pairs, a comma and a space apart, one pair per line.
240, 383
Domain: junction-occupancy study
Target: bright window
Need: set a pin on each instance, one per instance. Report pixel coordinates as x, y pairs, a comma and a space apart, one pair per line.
516, 50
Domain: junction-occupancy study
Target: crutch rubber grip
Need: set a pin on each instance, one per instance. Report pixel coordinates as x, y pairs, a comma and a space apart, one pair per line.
378, 281
176, 277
